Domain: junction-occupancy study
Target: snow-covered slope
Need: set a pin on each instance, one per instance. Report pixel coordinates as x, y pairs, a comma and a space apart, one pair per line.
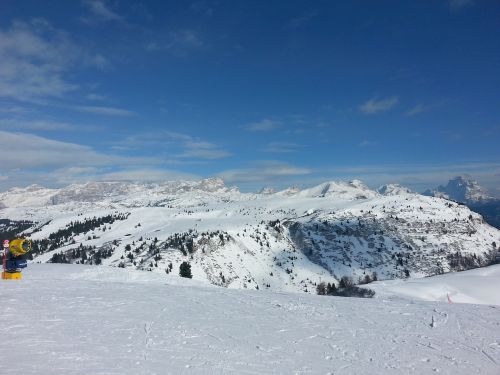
69, 320
473, 286
282, 241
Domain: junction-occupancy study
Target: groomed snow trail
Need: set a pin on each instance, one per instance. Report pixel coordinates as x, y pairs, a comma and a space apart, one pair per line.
64, 319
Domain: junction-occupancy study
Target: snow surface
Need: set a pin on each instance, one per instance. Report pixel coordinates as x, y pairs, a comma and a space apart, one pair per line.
474, 286
71, 319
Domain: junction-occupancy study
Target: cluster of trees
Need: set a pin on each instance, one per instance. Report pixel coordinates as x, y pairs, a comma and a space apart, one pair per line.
346, 288
461, 262
77, 227
82, 255
65, 235
181, 241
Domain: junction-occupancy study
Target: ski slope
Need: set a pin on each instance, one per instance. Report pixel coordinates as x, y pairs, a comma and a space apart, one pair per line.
74, 319
479, 286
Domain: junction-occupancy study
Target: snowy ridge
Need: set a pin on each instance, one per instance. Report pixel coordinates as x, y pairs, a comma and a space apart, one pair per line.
272, 241
393, 189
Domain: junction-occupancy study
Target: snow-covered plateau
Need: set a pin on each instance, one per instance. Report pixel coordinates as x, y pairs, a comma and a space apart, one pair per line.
283, 241
79, 319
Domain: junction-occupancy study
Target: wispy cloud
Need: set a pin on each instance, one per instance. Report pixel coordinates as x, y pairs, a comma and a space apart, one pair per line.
51, 162
203, 150
264, 125
459, 4
180, 146
367, 143
36, 61
107, 111
302, 19
96, 97
36, 152
66, 176
15, 124
376, 105
178, 43
203, 7
101, 12
282, 147
419, 108
263, 172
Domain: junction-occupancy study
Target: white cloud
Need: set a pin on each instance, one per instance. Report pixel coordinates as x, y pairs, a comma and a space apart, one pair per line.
148, 174
96, 97
101, 11
107, 111
35, 125
28, 158
419, 108
263, 172
375, 105
367, 143
264, 125
190, 147
66, 176
32, 151
282, 147
203, 150
36, 59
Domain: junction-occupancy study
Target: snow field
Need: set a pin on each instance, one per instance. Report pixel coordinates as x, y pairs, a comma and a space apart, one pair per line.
68, 319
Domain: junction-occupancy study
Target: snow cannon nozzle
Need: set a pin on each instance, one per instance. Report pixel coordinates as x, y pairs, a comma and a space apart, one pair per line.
20, 246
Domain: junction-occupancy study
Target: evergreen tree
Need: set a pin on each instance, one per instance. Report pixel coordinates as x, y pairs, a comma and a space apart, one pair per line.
331, 289
185, 270
321, 289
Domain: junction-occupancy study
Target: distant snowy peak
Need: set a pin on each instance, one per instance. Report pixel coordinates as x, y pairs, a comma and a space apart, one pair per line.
91, 192
31, 196
288, 192
119, 191
351, 190
461, 189
116, 192
393, 189
267, 191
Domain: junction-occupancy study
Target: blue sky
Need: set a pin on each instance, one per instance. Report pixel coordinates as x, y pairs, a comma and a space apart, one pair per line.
260, 93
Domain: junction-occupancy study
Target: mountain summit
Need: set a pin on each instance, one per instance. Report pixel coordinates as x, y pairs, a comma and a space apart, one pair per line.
461, 189
467, 191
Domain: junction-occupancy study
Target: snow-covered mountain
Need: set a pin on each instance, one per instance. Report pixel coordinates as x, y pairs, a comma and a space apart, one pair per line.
467, 191
460, 189
393, 189
288, 240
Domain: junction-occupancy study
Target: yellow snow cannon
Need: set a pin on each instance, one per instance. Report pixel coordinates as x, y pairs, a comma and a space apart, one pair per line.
20, 247
14, 258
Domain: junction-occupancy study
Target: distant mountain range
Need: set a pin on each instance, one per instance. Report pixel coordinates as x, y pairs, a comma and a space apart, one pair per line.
464, 190
285, 240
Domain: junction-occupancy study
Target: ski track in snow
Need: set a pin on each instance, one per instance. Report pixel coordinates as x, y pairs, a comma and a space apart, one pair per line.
65, 320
